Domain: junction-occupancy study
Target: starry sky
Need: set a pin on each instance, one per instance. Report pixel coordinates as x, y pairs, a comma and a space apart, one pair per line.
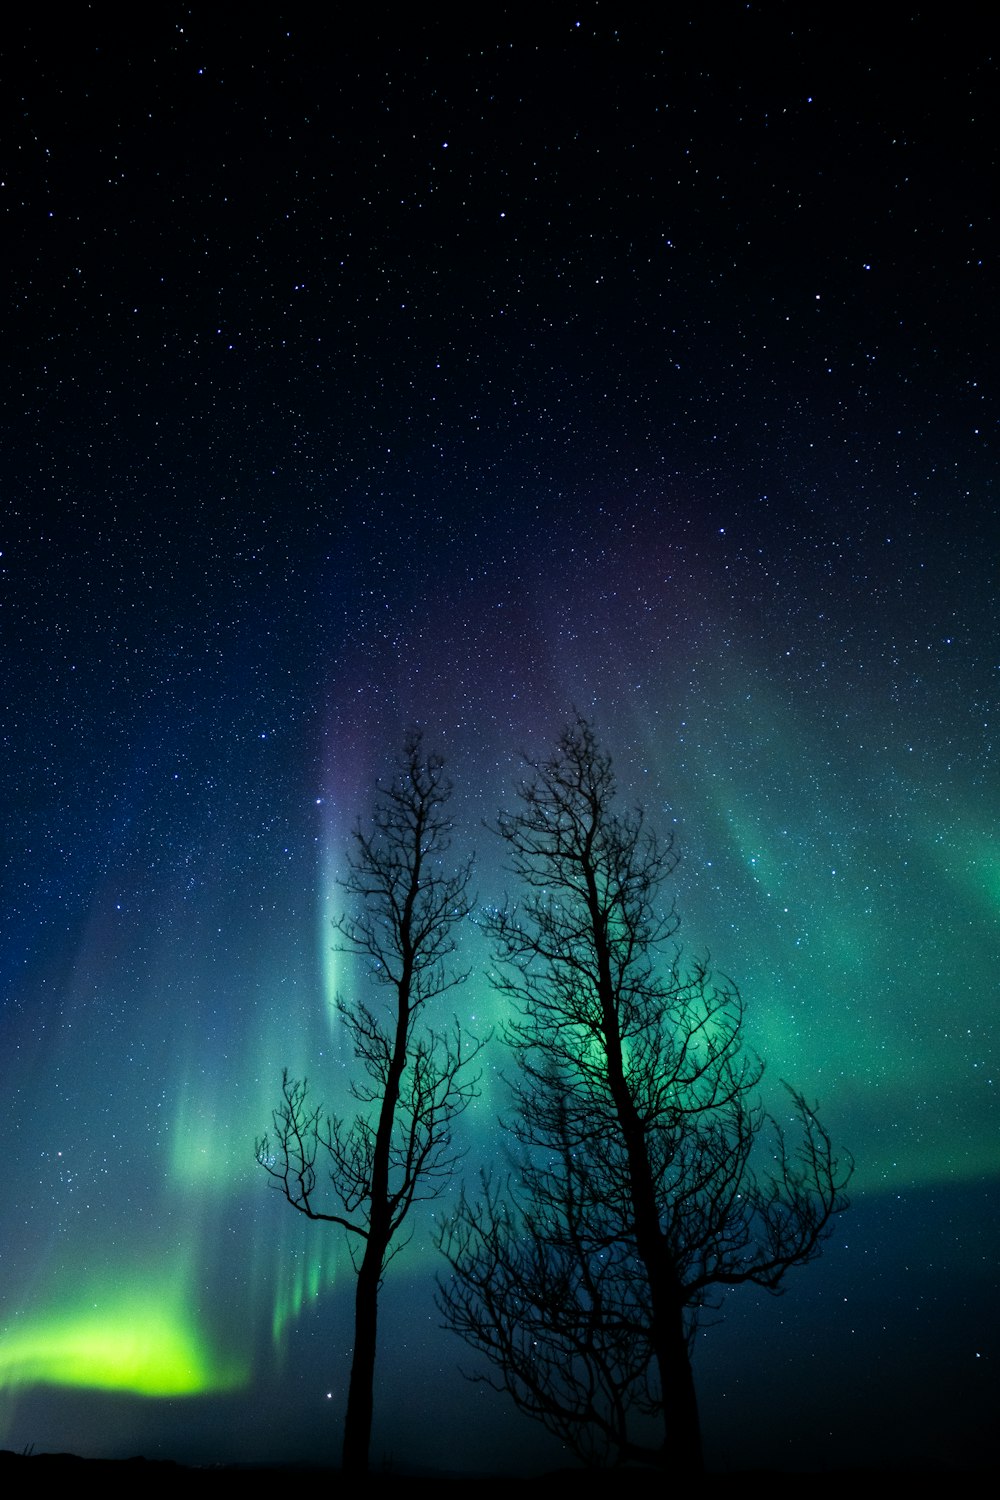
368, 374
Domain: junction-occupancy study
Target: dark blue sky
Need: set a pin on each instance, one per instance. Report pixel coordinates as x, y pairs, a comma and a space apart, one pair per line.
363, 377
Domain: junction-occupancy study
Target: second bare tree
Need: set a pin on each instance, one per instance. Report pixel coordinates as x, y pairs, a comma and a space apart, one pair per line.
398, 1148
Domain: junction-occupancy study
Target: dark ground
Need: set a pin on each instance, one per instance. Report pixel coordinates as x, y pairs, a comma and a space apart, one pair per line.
61, 1471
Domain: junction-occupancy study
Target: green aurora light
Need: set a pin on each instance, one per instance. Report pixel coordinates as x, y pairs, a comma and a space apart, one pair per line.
143, 1343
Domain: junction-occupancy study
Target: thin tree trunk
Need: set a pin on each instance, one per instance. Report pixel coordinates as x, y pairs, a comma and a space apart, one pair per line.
358, 1417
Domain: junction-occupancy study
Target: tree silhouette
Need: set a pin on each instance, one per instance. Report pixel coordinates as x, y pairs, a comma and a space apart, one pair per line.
398, 1148
646, 1177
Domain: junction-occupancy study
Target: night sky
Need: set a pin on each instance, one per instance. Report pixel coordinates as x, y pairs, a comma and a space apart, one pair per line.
464, 377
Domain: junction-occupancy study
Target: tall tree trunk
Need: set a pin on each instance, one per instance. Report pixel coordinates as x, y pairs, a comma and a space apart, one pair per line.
682, 1448
358, 1418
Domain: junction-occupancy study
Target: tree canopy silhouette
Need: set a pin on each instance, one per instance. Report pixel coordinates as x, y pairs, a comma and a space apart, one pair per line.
645, 1176
398, 1149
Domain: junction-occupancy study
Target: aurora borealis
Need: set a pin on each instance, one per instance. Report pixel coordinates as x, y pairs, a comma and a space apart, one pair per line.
363, 376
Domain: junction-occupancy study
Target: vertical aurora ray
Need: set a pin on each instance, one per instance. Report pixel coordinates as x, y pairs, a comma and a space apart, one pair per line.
117, 1300
334, 968
149, 1258
351, 754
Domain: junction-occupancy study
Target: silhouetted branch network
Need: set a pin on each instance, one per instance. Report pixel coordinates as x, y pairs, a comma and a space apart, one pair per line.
646, 1177
398, 1147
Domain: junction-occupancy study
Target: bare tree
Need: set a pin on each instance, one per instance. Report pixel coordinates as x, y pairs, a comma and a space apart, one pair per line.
645, 1177
398, 1149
